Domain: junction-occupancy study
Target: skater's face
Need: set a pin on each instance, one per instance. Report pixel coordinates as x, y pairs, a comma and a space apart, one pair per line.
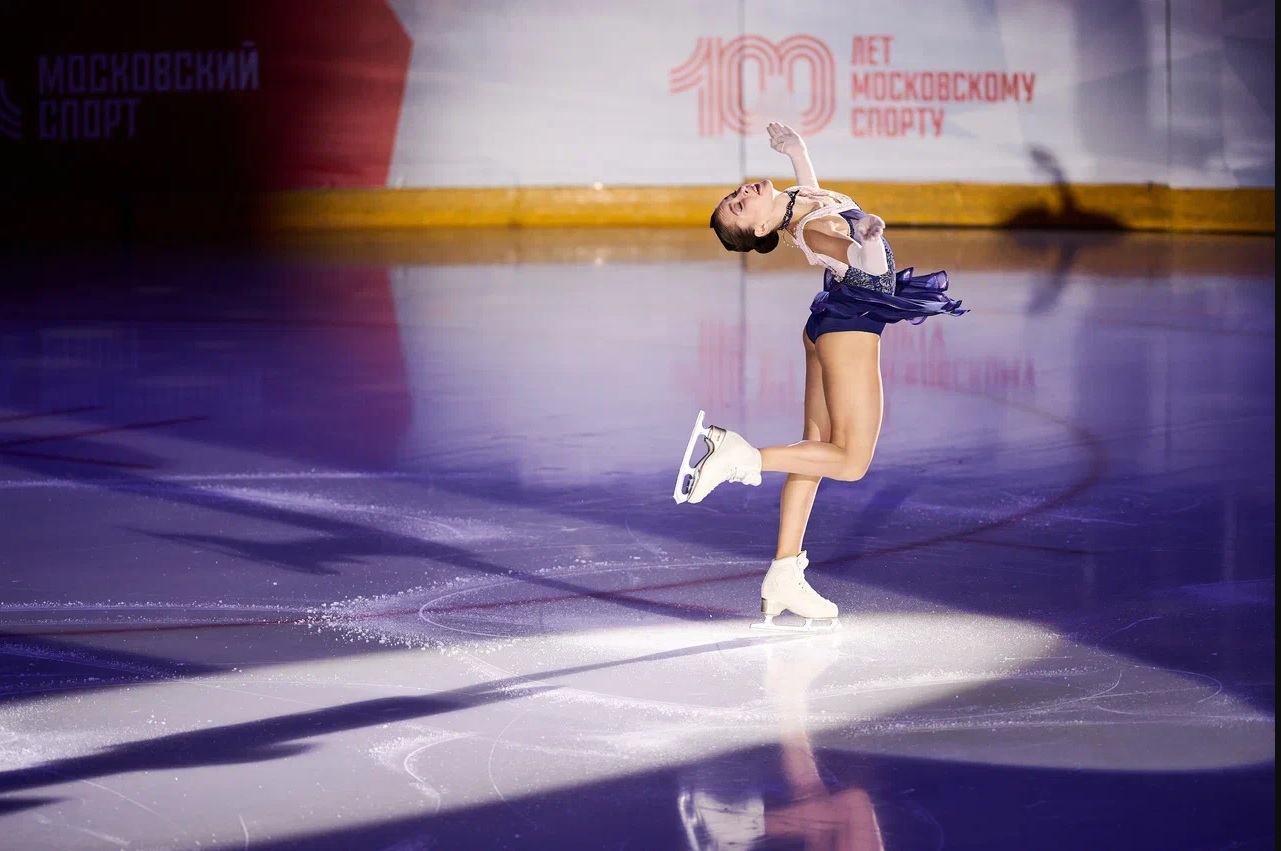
748, 208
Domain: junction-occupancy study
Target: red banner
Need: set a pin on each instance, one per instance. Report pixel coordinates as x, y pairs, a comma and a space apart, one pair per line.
240, 95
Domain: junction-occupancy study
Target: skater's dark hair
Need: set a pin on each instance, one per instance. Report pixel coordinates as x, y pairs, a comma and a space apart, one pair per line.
742, 239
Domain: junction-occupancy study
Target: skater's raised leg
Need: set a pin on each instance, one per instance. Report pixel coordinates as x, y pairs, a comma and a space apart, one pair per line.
851, 378
850, 364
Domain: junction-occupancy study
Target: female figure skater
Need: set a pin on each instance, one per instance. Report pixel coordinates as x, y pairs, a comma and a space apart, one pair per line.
862, 292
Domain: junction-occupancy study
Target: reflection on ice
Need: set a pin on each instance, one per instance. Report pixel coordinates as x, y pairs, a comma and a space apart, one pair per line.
599, 693
722, 806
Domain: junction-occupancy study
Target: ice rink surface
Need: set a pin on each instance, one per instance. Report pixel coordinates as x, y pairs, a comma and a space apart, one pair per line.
370, 544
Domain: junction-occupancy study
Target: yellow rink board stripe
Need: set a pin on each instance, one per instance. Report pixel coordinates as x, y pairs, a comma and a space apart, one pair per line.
1140, 207
1149, 255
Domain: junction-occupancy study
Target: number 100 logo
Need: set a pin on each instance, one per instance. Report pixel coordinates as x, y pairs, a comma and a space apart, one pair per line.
721, 71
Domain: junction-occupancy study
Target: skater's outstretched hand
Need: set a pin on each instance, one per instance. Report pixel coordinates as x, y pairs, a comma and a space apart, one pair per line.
870, 227
785, 140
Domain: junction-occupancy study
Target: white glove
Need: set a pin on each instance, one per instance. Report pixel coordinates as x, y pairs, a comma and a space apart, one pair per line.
870, 227
785, 140
870, 256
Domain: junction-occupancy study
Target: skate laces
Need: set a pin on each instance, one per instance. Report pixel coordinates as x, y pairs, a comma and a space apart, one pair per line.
802, 562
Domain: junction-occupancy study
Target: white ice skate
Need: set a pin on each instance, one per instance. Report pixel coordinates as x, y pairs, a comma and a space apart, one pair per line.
729, 458
785, 588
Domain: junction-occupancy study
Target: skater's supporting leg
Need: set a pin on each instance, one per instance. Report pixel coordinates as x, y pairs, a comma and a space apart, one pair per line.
794, 513
798, 491
851, 378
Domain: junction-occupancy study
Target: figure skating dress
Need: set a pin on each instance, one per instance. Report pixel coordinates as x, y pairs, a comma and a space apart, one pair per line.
854, 300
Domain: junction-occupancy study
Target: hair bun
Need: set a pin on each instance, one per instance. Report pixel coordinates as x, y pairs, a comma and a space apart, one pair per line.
767, 243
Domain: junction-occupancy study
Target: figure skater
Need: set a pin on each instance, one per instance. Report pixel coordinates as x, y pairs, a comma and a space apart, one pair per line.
862, 293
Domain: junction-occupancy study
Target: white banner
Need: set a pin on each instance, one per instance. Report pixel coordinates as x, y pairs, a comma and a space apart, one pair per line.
672, 92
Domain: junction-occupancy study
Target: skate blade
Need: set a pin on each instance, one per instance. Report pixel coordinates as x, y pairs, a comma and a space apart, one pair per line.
685, 478
826, 625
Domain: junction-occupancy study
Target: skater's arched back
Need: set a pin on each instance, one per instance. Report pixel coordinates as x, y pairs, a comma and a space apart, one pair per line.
862, 293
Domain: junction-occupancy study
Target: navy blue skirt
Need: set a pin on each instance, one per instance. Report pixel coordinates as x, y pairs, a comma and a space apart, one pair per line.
863, 302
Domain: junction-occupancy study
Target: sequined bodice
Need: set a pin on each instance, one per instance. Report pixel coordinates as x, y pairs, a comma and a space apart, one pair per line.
837, 273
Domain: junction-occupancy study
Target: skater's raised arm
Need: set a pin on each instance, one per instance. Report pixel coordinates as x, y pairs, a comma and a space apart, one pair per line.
785, 140
866, 251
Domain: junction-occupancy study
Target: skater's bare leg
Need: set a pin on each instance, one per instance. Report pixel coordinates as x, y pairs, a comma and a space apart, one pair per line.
850, 362
794, 513
798, 491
